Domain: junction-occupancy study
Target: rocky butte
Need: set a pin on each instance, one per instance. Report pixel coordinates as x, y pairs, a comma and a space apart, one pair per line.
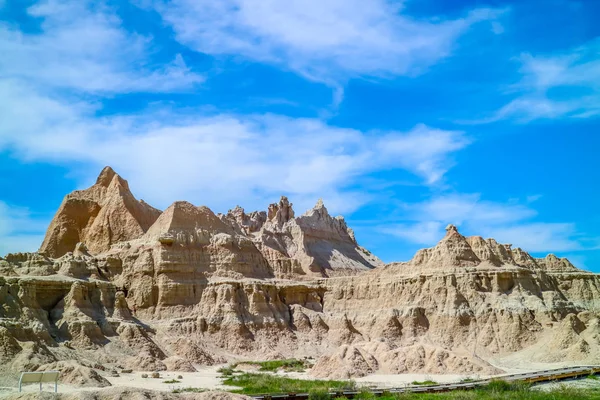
120, 284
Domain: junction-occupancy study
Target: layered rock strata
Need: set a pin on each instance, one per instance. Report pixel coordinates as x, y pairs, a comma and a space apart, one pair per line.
169, 291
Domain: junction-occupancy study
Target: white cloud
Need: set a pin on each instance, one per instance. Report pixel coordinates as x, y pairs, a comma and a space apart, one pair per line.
424, 224
539, 237
563, 85
423, 150
425, 233
19, 229
324, 40
222, 159
459, 208
533, 198
83, 46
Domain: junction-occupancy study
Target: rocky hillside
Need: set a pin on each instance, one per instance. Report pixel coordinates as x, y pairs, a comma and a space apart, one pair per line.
118, 283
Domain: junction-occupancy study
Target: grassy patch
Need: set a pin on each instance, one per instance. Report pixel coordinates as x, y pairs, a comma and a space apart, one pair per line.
318, 395
257, 383
594, 377
275, 365
189, 390
172, 381
559, 394
266, 383
286, 365
500, 386
226, 371
427, 382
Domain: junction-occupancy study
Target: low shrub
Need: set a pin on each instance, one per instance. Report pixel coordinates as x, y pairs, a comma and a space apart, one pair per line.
189, 390
427, 382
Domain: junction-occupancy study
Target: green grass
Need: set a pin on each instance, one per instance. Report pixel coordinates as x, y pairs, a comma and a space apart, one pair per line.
482, 395
189, 390
427, 382
318, 395
172, 381
256, 383
500, 386
253, 383
286, 365
275, 365
593, 377
266, 366
227, 371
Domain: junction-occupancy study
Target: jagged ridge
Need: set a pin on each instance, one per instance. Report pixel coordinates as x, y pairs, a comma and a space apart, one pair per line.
210, 287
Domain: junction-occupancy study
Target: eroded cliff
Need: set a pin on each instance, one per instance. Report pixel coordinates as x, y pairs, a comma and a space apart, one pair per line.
172, 290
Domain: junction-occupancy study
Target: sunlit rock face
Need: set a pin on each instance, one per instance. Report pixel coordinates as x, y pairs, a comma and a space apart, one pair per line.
118, 283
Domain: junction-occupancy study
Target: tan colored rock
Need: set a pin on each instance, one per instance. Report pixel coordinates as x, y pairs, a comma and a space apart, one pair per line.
126, 393
316, 242
244, 223
99, 216
73, 373
196, 288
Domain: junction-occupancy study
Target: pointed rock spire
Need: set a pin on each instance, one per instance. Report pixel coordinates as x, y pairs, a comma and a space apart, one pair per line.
106, 176
99, 216
280, 212
451, 230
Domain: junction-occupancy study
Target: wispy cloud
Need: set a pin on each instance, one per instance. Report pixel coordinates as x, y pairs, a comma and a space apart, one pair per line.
222, 158
424, 224
324, 40
83, 46
19, 229
565, 85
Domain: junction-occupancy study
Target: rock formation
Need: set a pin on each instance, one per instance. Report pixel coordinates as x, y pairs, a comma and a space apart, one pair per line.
104, 214
120, 285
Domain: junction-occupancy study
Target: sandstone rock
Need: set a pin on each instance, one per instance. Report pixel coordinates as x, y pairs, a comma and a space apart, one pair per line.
99, 216
189, 287
244, 223
178, 364
347, 362
73, 373
130, 393
320, 244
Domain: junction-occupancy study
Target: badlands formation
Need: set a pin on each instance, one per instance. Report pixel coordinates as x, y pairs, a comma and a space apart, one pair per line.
118, 284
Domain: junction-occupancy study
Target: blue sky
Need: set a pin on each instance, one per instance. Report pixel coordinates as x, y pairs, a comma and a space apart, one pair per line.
403, 116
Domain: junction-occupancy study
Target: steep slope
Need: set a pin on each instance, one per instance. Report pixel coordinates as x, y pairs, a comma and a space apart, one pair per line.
457, 253
316, 243
99, 216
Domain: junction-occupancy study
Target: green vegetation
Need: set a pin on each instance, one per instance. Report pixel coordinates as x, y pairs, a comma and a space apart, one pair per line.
501, 386
593, 377
318, 395
558, 394
365, 394
256, 383
252, 383
172, 381
427, 382
286, 365
189, 390
291, 365
227, 371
